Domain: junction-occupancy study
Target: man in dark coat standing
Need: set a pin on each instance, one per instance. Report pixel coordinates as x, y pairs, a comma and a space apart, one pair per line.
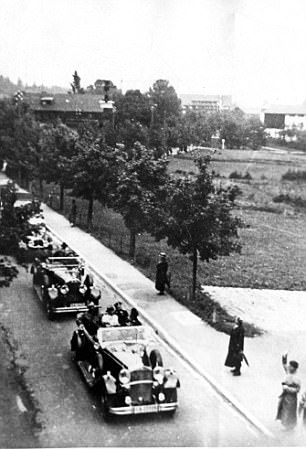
162, 278
236, 346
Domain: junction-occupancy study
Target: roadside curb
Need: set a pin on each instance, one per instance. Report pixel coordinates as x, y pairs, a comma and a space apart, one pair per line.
219, 389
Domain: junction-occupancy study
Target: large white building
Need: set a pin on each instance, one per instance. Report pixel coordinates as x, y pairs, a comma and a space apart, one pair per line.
206, 103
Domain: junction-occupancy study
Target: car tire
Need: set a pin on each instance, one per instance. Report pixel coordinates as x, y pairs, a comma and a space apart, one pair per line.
171, 413
105, 407
50, 313
156, 358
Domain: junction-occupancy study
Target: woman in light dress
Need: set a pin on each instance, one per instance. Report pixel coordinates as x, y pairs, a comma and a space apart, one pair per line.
287, 406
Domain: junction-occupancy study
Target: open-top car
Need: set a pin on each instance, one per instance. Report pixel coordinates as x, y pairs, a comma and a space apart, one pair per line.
126, 369
62, 285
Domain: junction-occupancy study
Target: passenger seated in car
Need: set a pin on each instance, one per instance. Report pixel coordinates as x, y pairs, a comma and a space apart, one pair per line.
109, 318
133, 320
122, 314
62, 251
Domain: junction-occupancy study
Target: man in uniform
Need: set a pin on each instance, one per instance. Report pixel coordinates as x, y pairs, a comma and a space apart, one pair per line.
236, 346
162, 278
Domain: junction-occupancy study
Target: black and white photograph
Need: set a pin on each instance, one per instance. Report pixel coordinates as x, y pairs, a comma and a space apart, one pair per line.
152, 223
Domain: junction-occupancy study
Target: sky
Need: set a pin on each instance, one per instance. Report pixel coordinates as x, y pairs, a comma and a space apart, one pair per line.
251, 49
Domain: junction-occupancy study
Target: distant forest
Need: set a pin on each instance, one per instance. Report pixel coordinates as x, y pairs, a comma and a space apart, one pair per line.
7, 87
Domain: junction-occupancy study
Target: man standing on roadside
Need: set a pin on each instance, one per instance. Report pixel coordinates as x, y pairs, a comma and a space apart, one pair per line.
235, 350
162, 278
73, 213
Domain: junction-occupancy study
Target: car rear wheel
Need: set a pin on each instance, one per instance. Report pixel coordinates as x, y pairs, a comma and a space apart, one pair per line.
156, 358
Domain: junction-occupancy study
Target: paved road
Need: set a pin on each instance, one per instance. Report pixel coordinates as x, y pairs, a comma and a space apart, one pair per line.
70, 415
16, 425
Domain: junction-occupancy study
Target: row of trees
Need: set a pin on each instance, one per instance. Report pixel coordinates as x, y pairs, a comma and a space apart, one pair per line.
156, 119
194, 214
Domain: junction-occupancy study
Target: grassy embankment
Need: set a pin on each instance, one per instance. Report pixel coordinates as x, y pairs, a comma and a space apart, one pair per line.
273, 254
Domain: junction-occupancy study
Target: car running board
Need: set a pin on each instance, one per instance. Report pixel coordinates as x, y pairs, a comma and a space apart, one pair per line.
89, 378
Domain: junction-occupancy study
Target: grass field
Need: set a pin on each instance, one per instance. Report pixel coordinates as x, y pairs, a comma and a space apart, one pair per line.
273, 242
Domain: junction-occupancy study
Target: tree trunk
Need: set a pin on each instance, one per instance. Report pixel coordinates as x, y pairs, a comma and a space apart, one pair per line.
132, 244
90, 212
41, 190
19, 177
62, 195
194, 271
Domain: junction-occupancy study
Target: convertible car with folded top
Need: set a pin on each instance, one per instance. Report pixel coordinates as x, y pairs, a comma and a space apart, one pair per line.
126, 370
63, 286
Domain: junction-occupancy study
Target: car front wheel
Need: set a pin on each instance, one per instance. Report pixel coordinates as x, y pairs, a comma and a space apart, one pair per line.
105, 407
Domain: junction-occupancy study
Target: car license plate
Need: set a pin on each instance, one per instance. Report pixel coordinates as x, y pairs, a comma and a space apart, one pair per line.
77, 304
146, 408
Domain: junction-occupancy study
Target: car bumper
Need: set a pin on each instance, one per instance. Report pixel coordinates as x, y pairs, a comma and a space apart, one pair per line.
72, 309
142, 409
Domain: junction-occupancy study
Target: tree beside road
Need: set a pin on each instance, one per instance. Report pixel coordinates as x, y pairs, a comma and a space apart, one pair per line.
197, 218
122, 165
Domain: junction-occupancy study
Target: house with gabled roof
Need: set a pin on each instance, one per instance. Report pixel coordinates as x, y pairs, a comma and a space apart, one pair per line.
70, 108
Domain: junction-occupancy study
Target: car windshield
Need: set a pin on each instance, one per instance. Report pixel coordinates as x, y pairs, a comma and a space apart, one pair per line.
132, 333
67, 262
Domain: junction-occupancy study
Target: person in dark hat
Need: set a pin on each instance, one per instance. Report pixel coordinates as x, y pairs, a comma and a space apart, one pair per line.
287, 405
73, 213
109, 318
236, 346
121, 313
162, 278
133, 320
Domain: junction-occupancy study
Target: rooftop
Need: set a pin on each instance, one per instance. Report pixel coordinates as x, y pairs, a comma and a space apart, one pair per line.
190, 98
285, 109
68, 102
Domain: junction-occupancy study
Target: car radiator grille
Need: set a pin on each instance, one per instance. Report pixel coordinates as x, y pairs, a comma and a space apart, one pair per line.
141, 393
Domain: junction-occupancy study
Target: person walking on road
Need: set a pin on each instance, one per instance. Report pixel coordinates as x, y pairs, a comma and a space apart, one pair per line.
162, 277
73, 213
236, 346
287, 405
302, 409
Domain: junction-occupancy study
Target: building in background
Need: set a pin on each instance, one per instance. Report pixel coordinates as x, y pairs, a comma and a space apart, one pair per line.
206, 103
70, 108
95, 103
279, 118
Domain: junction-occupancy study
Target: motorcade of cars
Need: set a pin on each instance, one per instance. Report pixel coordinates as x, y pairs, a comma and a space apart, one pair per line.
125, 367
63, 286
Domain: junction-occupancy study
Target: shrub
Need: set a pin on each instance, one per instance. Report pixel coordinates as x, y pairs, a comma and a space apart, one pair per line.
238, 175
247, 176
235, 175
294, 175
296, 201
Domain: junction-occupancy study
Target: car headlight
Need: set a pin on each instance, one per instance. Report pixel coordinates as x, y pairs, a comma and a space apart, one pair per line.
128, 400
124, 376
53, 292
64, 289
158, 374
95, 292
161, 397
82, 289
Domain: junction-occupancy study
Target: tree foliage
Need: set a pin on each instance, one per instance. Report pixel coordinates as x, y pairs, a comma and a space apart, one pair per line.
197, 218
140, 189
93, 168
